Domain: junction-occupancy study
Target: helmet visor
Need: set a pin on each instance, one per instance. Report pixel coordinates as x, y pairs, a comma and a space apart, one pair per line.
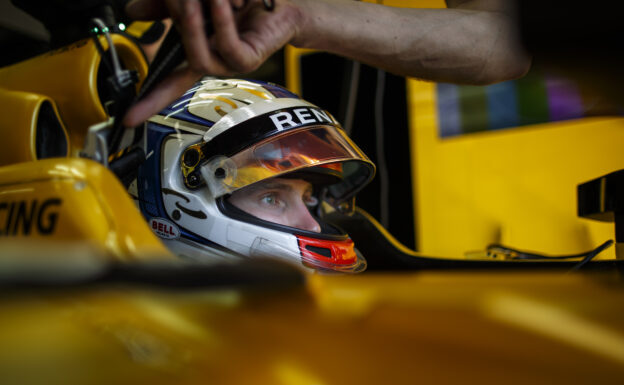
291, 151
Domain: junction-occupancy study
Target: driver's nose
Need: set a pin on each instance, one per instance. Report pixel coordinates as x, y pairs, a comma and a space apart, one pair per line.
302, 219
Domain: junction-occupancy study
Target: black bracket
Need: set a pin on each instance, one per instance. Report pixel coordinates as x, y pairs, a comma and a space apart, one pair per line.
602, 199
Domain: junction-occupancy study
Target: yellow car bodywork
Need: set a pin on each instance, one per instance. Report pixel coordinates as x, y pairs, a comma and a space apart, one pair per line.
432, 328
68, 217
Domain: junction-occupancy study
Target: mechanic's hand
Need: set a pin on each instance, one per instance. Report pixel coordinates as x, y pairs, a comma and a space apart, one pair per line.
245, 35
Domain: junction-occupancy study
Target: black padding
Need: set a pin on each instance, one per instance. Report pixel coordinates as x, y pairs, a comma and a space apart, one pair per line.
256, 274
51, 141
381, 254
153, 33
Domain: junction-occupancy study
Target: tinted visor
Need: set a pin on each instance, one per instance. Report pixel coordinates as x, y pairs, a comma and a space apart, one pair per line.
290, 151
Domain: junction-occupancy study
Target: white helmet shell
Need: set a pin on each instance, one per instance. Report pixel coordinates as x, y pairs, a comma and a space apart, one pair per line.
224, 135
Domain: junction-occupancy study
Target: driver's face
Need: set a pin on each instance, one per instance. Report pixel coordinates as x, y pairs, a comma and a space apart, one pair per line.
279, 200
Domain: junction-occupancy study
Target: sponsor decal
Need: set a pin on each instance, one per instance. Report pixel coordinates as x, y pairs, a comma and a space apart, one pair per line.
164, 228
297, 117
194, 213
250, 131
70, 47
27, 217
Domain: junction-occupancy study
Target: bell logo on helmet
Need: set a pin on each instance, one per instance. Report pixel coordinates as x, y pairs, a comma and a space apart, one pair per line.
164, 229
299, 117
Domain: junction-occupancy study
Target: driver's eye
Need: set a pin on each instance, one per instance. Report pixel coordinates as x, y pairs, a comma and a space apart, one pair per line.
269, 199
310, 201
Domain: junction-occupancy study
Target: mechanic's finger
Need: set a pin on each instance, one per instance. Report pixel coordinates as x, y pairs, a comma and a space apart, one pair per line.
191, 28
171, 88
238, 4
147, 9
226, 36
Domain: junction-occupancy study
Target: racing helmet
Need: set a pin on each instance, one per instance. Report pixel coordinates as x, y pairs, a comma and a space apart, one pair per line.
224, 135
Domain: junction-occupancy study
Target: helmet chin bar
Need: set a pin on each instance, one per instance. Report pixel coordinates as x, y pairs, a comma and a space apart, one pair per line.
315, 254
332, 249
331, 255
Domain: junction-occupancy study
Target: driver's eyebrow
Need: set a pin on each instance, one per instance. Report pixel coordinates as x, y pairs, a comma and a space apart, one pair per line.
270, 185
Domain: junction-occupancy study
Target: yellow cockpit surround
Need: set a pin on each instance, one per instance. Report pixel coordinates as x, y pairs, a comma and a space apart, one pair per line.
69, 76
63, 202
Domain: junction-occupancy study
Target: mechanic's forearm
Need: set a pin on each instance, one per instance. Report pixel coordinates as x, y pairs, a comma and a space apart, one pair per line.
449, 45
